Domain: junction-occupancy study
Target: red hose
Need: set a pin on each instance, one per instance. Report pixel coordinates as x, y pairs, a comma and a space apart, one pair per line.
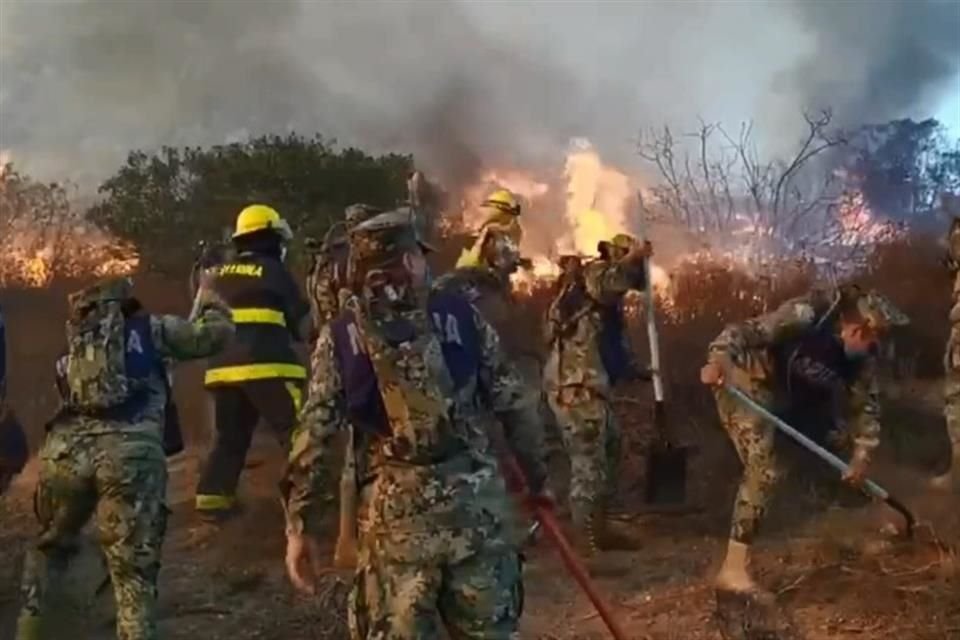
548, 521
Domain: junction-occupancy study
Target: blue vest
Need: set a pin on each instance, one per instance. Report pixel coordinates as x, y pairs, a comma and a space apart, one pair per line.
140, 361
141, 358
613, 354
453, 321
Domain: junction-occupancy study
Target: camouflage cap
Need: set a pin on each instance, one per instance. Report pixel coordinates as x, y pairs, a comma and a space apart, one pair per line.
110, 289
383, 239
360, 212
879, 313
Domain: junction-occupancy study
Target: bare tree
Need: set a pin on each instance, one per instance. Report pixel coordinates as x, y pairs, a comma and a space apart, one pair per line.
721, 184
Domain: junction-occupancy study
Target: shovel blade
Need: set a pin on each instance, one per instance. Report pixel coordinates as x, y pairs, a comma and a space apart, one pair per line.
667, 476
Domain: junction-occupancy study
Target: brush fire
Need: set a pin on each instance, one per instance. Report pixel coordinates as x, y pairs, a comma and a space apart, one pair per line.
568, 212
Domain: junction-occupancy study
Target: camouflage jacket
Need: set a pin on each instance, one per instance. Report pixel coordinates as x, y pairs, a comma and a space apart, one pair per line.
753, 348
493, 297
462, 488
952, 356
322, 290
176, 340
574, 340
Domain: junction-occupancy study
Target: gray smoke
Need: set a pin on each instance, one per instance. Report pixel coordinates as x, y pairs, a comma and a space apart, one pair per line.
459, 84
876, 61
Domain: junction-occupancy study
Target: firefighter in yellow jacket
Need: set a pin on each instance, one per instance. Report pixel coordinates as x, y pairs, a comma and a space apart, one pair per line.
259, 375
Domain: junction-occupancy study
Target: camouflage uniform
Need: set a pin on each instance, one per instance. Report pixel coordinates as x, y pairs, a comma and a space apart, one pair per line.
432, 538
115, 469
951, 410
325, 290
578, 383
492, 297
752, 349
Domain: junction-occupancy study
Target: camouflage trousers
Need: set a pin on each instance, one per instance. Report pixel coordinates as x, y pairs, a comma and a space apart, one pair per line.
753, 439
591, 438
122, 479
951, 409
409, 584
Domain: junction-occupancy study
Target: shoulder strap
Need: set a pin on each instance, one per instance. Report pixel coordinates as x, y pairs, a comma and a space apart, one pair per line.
398, 394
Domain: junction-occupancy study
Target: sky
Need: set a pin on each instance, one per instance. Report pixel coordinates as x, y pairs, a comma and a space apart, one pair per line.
462, 85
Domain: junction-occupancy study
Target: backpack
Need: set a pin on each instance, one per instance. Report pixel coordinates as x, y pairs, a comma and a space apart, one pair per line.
367, 387
96, 367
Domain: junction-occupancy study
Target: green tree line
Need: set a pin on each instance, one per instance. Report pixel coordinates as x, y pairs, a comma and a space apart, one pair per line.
165, 202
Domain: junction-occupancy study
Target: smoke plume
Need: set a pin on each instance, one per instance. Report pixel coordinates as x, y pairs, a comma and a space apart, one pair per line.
459, 84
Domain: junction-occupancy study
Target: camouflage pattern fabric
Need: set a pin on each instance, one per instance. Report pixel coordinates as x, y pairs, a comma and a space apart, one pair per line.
422, 517
574, 358
117, 470
746, 349
122, 478
578, 388
322, 292
96, 371
492, 297
753, 440
481, 597
591, 437
951, 409
322, 284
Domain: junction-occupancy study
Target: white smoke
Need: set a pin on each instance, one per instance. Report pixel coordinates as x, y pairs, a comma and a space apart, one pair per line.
460, 84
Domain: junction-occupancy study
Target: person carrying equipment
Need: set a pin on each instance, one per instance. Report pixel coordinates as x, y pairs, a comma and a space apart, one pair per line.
258, 375
326, 285
818, 351
585, 331
103, 451
410, 372
950, 481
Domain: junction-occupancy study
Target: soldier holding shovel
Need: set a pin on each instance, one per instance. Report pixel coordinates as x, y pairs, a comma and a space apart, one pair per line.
826, 341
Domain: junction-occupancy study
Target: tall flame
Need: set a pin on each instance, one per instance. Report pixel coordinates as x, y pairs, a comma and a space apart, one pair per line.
597, 200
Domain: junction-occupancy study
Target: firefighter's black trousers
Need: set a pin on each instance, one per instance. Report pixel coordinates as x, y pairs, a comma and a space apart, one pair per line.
238, 408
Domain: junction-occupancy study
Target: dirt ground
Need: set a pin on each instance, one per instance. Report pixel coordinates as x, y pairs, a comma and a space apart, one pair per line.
835, 574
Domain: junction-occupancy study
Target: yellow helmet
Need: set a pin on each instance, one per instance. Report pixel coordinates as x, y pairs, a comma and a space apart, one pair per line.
502, 201
623, 241
260, 217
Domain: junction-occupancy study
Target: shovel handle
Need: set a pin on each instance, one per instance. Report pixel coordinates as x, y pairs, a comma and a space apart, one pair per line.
652, 335
869, 486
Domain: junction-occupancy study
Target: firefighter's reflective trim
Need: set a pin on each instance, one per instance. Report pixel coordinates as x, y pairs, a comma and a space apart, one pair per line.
296, 395
259, 316
214, 502
260, 371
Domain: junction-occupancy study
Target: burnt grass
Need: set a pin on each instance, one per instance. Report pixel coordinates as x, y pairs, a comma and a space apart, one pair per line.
835, 575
